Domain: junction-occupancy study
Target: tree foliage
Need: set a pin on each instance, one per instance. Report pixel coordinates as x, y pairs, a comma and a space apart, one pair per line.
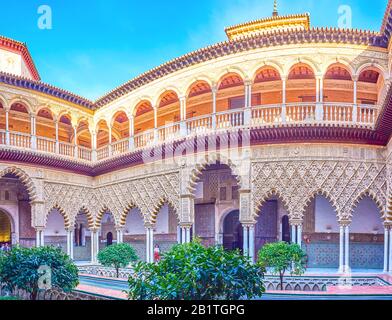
117, 256
281, 257
37, 268
193, 272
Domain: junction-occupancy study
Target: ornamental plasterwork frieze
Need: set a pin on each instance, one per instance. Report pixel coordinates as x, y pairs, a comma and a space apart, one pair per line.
297, 182
147, 194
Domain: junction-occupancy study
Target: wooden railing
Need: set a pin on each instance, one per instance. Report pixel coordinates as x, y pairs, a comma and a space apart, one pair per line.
256, 116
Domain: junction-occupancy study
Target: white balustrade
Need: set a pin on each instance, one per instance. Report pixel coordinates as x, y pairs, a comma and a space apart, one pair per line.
300, 112
338, 113
144, 139
367, 115
199, 125
229, 119
103, 153
3, 137
21, 140
66, 149
84, 153
46, 145
261, 116
169, 132
266, 115
120, 147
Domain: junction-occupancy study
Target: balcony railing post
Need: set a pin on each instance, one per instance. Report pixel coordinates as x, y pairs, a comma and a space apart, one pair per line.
131, 142
355, 113
33, 132
284, 107
57, 148
7, 129
248, 103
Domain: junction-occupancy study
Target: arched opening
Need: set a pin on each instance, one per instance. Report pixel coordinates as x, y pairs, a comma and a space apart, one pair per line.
15, 206
20, 125
230, 97
233, 231
82, 238
5, 230
46, 131
84, 135
2, 122
168, 116
135, 232
199, 107
109, 239
267, 96
66, 132
216, 194
270, 226
321, 234
367, 236
301, 94
286, 236
104, 138
120, 125
369, 93
165, 231
338, 91
144, 124
55, 234
108, 226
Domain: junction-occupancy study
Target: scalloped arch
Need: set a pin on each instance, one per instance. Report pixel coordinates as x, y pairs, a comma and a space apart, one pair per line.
24, 178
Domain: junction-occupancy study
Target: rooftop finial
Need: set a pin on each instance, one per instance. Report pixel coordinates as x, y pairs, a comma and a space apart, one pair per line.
275, 12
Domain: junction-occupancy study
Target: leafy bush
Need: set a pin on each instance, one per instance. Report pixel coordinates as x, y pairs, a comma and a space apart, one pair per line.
117, 256
193, 272
28, 269
282, 257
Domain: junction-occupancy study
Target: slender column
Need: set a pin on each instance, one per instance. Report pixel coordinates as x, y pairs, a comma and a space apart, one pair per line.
131, 132
248, 103
33, 132
110, 141
252, 243
319, 105
178, 234
120, 235
7, 127
94, 146
76, 155
213, 120
94, 246
148, 244
341, 249
386, 249
183, 235
183, 128
151, 245
299, 235
246, 242
390, 250
56, 123
284, 109
355, 106
156, 137
347, 250
293, 234
70, 243
38, 237
188, 234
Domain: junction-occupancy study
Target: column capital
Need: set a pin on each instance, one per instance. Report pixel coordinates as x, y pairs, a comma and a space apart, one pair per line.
120, 228
344, 223
296, 222
248, 82
185, 225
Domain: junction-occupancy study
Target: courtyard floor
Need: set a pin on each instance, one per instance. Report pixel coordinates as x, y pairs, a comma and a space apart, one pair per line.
114, 288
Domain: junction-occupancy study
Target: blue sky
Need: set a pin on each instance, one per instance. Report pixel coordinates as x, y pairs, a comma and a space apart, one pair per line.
97, 45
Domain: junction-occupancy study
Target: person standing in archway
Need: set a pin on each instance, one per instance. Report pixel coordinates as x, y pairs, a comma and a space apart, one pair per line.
157, 253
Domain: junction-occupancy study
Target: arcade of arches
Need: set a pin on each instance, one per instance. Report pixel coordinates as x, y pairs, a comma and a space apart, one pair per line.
330, 240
